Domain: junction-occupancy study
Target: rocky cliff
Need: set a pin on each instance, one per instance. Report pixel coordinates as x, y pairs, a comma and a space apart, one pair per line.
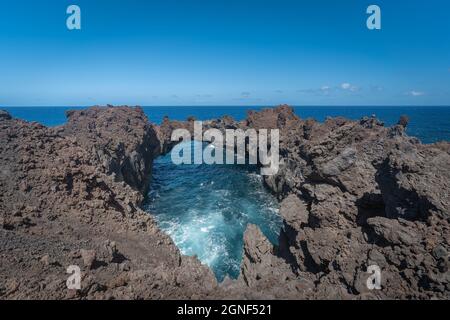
353, 194
70, 195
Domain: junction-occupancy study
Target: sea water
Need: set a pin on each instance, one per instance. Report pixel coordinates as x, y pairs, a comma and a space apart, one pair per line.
206, 208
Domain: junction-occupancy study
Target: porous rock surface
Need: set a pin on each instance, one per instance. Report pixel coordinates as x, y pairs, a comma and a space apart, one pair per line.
70, 195
353, 194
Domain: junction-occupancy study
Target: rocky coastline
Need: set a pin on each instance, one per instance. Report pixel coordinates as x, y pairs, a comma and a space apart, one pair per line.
352, 194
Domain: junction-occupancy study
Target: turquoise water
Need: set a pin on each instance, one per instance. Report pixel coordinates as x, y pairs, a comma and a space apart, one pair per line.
206, 208
429, 124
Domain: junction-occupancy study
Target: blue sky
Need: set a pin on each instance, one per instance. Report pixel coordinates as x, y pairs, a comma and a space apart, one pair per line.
217, 52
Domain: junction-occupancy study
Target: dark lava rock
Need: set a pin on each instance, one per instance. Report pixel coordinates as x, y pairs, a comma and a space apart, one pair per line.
363, 196
353, 194
4, 115
79, 186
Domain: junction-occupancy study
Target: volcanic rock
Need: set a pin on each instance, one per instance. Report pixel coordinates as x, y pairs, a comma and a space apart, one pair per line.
353, 194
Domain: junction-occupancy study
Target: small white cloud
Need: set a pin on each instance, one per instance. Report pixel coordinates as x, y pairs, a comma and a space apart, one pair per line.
349, 87
416, 93
327, 90
245, 94
346, 86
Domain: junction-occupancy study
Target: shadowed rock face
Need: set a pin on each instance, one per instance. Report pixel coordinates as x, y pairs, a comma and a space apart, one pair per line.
122, 141
353, 194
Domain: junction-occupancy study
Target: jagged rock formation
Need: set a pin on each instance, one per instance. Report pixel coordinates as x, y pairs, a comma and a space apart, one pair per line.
124, 148
355, 194
70, 196
352, 193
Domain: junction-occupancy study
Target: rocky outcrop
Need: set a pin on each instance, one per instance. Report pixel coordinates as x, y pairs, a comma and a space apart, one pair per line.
353, 195
5, 115
120, 139
266, 273
70, 196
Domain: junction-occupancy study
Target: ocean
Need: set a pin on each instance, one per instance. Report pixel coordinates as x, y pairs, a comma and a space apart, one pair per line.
429, 124
205, 209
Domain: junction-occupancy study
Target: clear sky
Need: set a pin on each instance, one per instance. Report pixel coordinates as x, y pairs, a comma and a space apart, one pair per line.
224, 52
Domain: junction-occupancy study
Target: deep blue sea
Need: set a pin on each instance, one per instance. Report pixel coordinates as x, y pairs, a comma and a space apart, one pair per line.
205, 209
429, 124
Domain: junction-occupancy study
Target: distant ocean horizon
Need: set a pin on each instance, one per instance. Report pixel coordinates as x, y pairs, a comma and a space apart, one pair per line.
428, 123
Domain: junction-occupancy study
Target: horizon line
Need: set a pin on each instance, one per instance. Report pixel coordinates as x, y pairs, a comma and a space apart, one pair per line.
219, 105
